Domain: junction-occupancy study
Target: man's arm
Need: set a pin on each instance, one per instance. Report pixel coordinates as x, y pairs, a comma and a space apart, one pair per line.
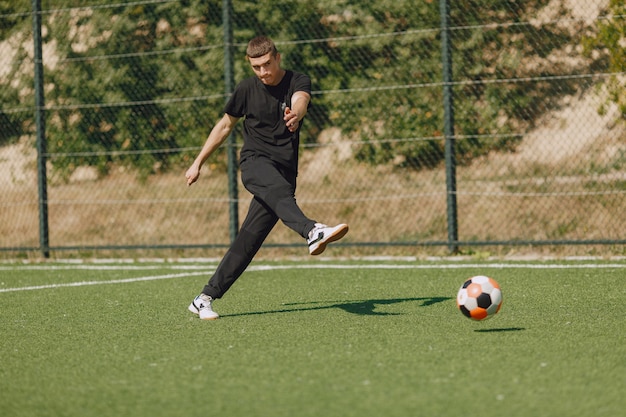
299, 106
218, 135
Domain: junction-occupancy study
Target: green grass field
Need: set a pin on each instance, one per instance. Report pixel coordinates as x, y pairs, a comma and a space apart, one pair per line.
314, 338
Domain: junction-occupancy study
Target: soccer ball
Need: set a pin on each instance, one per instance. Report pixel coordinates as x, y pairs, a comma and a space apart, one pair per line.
479, 297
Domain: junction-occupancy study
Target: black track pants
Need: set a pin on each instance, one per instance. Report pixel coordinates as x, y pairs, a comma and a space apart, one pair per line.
273, 188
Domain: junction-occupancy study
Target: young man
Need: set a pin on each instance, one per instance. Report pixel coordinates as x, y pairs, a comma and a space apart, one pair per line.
273, 103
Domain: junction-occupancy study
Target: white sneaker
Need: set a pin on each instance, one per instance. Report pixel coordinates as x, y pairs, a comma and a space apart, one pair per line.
201, 305
322, 235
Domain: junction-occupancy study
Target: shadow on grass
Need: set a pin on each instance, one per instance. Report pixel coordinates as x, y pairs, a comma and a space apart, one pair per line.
362, 307
501, 330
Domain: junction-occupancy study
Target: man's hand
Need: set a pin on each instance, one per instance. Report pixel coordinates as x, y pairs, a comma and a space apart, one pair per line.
291, 120
192, 174
218, 135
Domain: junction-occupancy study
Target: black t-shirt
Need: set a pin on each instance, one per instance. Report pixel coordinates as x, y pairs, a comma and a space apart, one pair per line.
264, 130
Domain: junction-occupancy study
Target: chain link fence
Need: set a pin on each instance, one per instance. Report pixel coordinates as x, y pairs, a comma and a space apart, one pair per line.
528, 147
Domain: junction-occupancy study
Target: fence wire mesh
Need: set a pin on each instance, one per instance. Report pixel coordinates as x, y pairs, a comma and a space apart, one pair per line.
131, 90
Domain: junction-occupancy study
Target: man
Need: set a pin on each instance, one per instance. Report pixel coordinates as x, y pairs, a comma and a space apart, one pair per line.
273, 103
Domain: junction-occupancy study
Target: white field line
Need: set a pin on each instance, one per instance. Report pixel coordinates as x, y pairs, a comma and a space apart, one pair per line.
437, 266
261, 268
115, 281
95, 267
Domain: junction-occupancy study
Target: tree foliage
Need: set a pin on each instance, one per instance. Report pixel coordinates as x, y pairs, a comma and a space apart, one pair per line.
608, 46
14, 17
129, 86
138, 77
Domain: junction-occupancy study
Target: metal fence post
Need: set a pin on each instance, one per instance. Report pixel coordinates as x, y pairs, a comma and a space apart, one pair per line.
229, 86
448, 103
40, 120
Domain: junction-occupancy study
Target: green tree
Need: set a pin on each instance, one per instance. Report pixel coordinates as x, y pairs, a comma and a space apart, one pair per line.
381, 61
141, 84
608, 46
14, 111
134, 85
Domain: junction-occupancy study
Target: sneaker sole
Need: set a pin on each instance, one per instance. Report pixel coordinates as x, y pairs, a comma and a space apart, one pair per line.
339, 233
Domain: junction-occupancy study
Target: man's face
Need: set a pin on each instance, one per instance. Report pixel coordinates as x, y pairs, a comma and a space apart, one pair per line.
267, 68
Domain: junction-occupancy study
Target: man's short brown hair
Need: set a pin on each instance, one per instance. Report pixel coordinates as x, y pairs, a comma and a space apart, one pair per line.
260, 46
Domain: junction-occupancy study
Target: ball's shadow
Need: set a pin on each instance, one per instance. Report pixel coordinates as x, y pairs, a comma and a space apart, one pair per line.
500, 330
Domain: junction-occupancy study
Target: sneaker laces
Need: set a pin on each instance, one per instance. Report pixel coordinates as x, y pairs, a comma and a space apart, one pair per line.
316, 228
206, 299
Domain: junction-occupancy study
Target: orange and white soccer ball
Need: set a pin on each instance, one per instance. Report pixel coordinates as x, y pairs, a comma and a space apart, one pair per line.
479, 297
